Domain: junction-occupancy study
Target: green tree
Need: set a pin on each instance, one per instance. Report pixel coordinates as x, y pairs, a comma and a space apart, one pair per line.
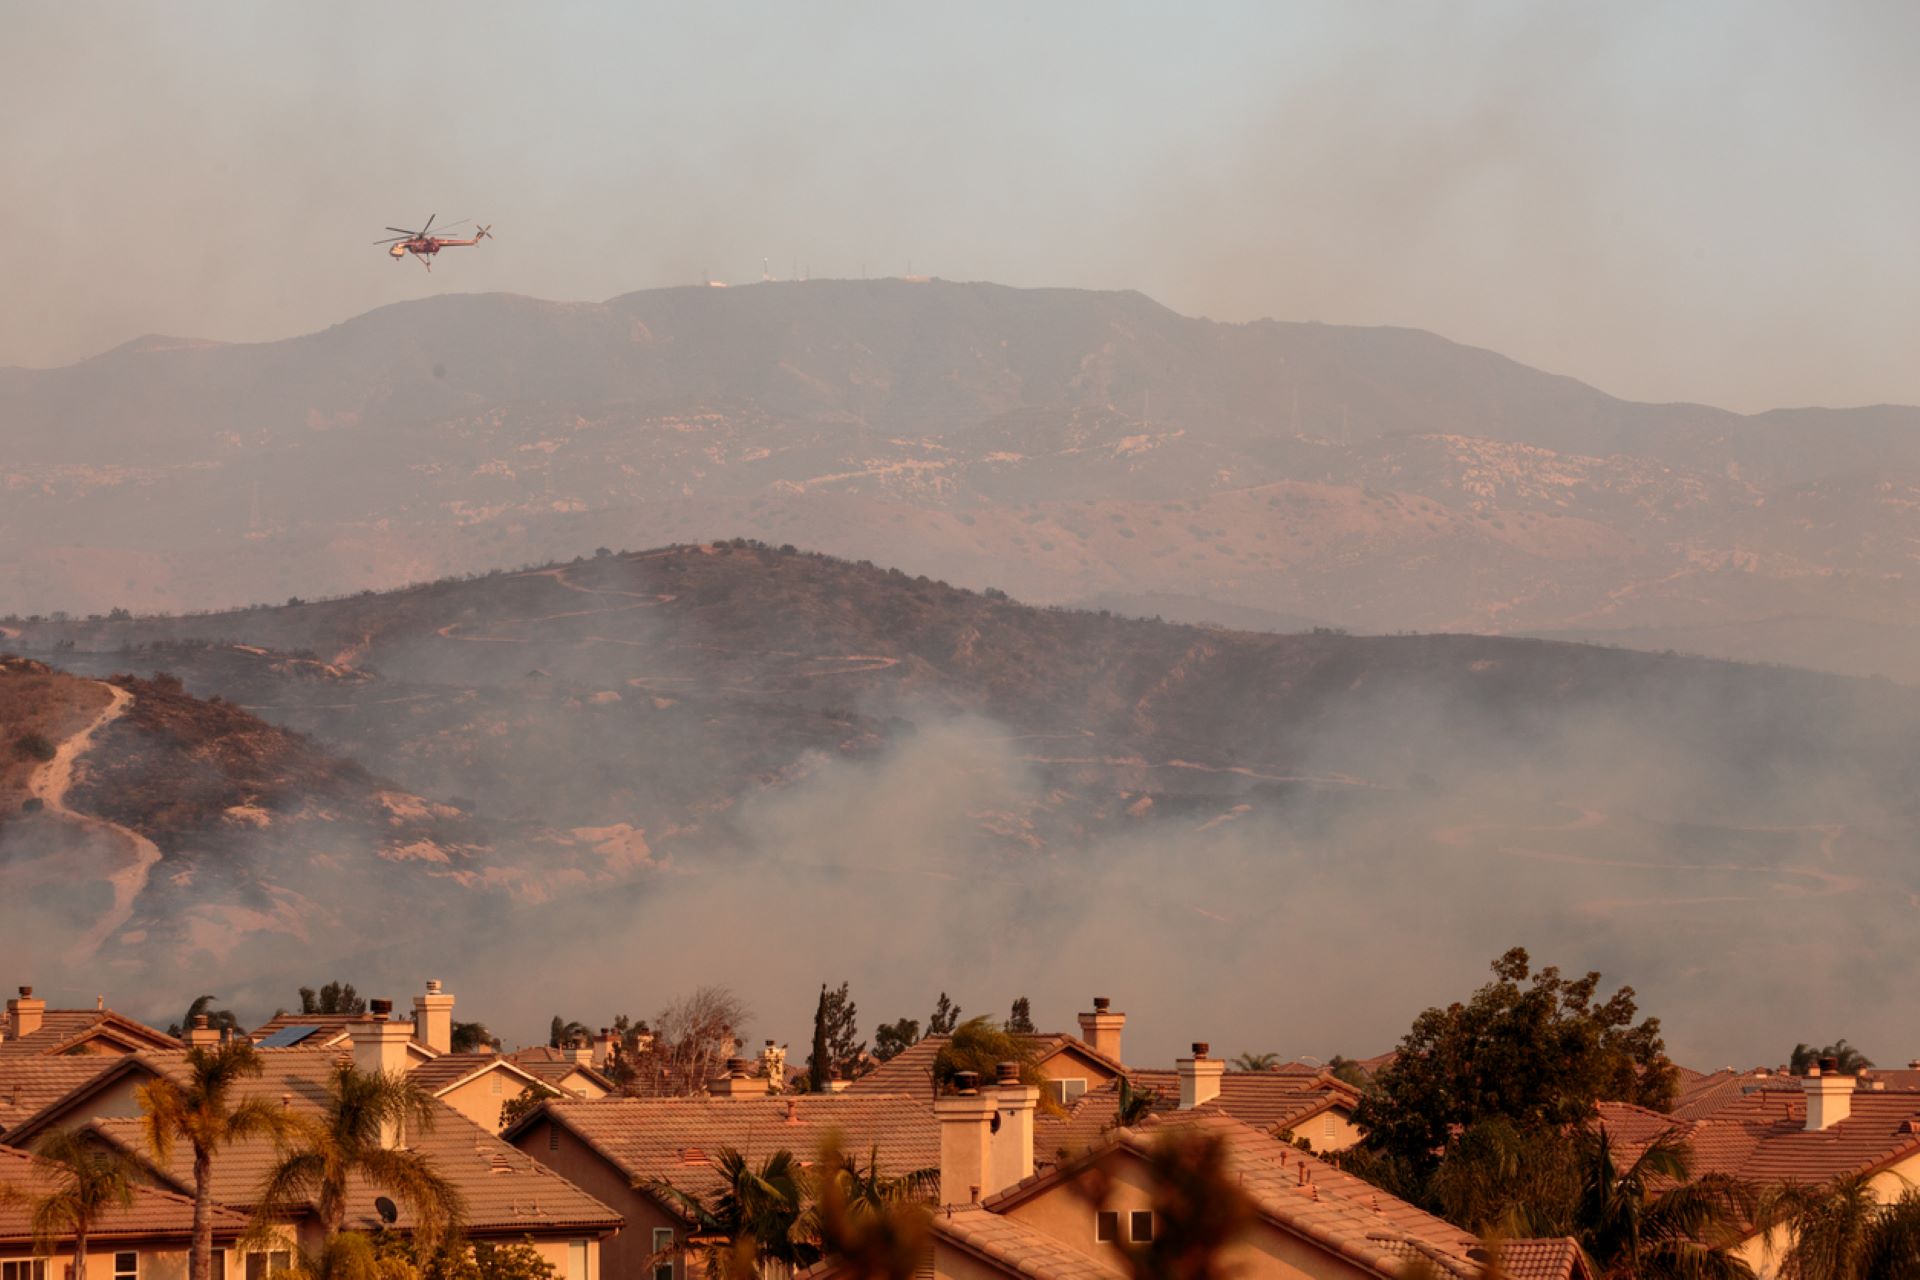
564, 1033
84, 1181
1841, 1231
1133, 1105
345, 1142
756, 1214
945, 1017
471, 1037
838, 1051
1537, 1053
219, 1019
1020, 1020
1347, 1071
513, 1108
335, 997
1256, 1062
980, 1045
205, 1111
890, 1039
1848, 1060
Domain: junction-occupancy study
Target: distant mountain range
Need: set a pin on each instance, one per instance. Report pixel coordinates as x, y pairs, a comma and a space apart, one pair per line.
1062, 446
653, 755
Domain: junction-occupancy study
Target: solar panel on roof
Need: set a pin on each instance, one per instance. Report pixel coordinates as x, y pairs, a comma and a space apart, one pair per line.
287, 1037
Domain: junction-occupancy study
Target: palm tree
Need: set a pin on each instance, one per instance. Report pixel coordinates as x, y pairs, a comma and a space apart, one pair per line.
1651, 1221
1840, 1231
756, 1215
85, 1180
345, 1142
874, 1226
1256, 1062
205, 1112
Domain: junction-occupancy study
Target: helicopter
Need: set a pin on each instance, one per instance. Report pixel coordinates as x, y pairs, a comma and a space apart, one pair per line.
424, 245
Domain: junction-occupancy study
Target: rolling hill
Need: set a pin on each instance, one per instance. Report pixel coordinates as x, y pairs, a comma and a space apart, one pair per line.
722, 731
1063, 446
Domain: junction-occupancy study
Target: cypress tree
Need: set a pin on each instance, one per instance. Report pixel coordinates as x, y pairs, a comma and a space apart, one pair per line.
817, 1066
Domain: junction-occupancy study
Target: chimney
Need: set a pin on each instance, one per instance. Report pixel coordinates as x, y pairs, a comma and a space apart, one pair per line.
433, 1018
200, 1035
1829, 1095
1012, 1140
1199, 1077
603, 1049
24, 1014
738, 1082
380, 1045
773, 1065
1101, 1028
837, 1082
966, 1139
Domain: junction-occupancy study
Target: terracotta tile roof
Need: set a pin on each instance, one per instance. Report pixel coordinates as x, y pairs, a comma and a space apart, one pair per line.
1272, 1101
1301, 1194
1544, 1260
63, 1030
675, 1138
554, 1065
30, 1082
154, 1212
1763, 1138
911, 1070
332, 1025
1018, 1248
506, 1192
450, 1069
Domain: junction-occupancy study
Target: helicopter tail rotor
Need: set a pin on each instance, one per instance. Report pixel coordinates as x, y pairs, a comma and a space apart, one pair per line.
483, 233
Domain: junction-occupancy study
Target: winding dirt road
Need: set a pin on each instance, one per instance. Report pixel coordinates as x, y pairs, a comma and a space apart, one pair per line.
50, 784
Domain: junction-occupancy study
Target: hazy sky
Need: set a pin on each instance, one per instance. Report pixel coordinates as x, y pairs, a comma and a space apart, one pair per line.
1714, 201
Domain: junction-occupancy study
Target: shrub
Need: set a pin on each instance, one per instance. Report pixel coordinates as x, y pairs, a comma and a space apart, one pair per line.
33, 745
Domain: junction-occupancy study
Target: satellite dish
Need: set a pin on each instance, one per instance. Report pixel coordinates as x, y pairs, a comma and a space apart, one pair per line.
384, 1207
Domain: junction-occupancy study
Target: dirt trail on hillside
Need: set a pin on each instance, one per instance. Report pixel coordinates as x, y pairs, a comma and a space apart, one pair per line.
50, 784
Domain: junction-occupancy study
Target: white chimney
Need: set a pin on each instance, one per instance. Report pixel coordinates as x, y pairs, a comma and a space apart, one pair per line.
24, 1014
433, 1018
1102, 1027
380, 1046
1829, 1095
201, 1035
603, 1049
738, 1082
1199, 1077
966, 1140
1012, 1144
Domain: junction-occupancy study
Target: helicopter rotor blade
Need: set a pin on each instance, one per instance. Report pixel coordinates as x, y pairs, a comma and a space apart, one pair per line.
403, 231
394, 240
429, 226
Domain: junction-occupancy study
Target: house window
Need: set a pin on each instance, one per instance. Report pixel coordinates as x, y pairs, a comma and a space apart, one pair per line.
1106, 1227
576, 1260
219, 1265
262, 1265
662, 1263
24, 1269
126, 1266
1066, 1091
553, 1136
1140, 1226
